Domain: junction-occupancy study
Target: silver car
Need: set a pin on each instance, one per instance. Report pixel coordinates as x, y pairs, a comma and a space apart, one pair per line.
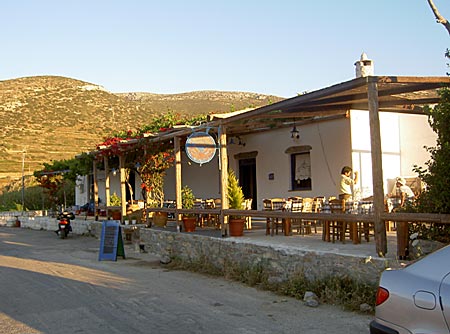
415, 299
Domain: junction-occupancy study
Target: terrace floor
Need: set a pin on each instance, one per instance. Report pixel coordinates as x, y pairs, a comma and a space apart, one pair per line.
310, 242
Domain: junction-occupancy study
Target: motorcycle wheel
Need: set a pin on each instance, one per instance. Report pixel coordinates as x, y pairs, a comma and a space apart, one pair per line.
62, 233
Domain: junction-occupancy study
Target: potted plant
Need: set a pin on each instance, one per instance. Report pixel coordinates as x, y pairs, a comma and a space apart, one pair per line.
235, 201
115, 200
126, 220
187, 200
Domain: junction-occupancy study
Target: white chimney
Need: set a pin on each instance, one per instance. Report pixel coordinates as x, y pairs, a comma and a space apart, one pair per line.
364, 66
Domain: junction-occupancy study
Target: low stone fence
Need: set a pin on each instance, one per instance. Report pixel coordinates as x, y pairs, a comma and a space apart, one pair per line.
39, 222
280, 262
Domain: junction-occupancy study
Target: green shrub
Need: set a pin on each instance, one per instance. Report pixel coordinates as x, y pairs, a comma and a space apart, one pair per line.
235, 194
187, 198
115, 200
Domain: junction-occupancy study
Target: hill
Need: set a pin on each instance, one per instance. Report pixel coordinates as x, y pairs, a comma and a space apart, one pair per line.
55, 118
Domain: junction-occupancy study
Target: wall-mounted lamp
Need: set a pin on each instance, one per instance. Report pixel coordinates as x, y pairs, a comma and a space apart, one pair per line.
295, 134
240, 142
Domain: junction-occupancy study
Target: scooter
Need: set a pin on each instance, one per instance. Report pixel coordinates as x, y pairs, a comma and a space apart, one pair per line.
64, 226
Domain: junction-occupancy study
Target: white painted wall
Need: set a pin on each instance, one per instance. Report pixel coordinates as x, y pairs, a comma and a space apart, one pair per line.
330, 151
417, 133
82, 190
334, 143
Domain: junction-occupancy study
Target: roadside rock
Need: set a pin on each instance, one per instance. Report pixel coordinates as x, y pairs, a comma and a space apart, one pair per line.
366, 308
310, 299
165, 259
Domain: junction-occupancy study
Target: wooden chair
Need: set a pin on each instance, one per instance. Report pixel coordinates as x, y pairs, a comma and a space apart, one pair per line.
296, 206
272, 224
311, 205
317, 207
307, 207
199, 204
296, 203
218, 205
365, 206
248, 206
337, 228
210, 218
340, 229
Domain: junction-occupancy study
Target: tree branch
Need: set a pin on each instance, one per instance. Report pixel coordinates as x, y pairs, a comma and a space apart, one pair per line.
439, 18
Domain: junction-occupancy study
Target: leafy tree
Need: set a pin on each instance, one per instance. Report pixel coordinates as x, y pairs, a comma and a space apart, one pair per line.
436, 176
59, 177
69, 169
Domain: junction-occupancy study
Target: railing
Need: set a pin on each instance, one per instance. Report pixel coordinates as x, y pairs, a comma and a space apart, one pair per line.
187, 211
347, 217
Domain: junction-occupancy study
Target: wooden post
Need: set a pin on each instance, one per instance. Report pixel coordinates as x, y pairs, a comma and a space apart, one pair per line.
94, 172
123, 189
377, 167
107, 182
223, 166
179, 204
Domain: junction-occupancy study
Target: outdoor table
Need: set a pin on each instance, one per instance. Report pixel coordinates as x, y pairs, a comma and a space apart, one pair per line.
355, 228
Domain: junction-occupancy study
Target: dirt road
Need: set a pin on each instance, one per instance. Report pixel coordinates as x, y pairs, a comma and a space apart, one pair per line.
48, 285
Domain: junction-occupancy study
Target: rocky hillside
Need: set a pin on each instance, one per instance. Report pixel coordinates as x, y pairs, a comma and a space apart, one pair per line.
55, 118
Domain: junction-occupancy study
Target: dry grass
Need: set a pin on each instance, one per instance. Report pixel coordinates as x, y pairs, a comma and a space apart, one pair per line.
334, 290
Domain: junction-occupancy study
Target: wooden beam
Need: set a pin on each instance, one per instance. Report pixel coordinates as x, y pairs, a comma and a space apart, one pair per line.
94, 171
298, 100
223, 166
178, 180
377, 169
107, 181
123, 189
401, 79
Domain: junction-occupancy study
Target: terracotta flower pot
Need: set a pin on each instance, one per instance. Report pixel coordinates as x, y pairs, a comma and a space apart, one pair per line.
160, 219
116, 215
189, 224
237, 227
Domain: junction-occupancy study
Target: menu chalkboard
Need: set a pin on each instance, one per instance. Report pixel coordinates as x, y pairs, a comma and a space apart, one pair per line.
111, 243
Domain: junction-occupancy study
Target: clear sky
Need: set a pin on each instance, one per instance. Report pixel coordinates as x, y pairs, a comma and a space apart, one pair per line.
279, 47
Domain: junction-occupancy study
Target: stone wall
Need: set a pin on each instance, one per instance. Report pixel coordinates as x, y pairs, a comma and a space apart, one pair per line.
37, 222
280, 263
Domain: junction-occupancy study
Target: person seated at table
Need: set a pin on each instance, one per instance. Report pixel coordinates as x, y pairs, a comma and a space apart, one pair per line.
346, 183
403, 191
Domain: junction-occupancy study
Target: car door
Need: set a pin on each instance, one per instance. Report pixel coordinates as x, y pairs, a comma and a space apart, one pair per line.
444, 295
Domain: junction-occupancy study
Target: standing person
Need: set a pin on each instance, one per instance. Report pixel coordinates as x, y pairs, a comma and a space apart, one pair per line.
346, 183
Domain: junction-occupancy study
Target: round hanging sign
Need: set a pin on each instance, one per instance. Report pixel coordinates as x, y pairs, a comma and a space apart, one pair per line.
200, 147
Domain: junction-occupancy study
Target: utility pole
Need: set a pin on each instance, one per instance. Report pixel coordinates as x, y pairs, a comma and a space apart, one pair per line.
23, 178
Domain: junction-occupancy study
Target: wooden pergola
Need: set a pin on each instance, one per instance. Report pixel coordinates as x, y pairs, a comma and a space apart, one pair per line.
373, 93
